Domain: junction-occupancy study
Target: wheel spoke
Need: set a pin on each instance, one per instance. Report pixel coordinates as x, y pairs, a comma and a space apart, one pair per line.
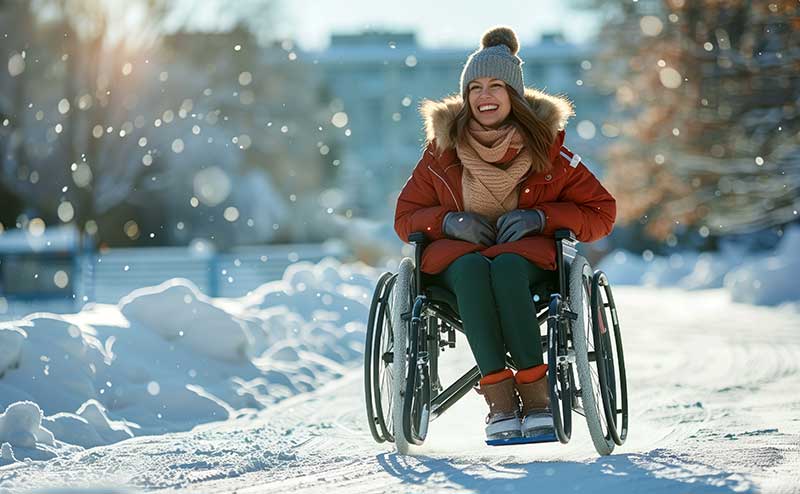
598, 396
386, 370
387, 377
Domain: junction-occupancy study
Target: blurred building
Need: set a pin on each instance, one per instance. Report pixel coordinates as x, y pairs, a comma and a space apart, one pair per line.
378, 80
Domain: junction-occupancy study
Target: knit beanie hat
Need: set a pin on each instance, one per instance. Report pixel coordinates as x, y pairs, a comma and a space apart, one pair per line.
497, 57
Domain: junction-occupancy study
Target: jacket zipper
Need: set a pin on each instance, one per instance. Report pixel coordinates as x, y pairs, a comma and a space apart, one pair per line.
447, 185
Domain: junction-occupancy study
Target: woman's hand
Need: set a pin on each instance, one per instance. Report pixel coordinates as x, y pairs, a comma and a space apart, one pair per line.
519, 223
470, 227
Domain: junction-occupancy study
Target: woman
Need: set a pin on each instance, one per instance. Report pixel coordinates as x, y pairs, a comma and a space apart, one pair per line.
493, 185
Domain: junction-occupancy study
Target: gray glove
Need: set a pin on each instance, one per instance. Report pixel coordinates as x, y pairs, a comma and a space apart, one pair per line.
519, 223
470, 227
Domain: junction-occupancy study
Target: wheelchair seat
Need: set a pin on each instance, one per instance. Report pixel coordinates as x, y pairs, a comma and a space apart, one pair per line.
441, 295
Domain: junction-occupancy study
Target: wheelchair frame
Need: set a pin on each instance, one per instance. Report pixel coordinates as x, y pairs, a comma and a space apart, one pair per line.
424, 398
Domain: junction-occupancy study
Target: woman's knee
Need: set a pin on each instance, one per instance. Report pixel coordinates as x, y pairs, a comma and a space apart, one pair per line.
507, 267
471, 267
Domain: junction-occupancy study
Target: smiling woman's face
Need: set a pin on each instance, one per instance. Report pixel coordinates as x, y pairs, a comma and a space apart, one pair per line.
490, 95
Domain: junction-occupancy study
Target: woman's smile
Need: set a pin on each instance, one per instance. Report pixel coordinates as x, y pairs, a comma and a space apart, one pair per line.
489, 101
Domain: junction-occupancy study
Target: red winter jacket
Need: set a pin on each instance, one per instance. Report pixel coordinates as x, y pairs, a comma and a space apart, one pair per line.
569, 195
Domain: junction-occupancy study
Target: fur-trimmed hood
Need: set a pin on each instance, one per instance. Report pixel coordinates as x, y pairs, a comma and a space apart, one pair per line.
438, 116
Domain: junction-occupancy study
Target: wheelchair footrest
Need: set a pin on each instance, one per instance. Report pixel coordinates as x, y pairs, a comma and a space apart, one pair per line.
544, 438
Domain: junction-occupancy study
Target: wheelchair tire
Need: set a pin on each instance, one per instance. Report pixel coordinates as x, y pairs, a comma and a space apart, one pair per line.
402, 296
378, 362
580, 282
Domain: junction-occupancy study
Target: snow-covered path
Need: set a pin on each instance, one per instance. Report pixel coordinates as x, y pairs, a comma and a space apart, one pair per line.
715, 396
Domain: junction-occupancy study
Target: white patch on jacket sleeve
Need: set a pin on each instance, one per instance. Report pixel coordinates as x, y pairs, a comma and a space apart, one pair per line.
576, 158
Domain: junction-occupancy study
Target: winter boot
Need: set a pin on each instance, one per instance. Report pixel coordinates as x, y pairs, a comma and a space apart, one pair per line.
537, 417
503, 419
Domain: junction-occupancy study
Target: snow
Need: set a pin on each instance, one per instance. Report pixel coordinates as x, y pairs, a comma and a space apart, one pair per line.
21, 428
769, 280
172, 390
748, 277
168, 358
714, 410
172, 310
89, 426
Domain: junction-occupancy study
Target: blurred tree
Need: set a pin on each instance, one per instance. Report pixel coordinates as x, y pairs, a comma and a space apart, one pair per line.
259, 122
71, 67
132, 121
12, 95
708, 114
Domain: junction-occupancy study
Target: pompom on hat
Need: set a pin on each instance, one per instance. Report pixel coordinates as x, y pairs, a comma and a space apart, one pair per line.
497, 57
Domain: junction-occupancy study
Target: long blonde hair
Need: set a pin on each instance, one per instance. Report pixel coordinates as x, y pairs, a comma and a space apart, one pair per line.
537, 136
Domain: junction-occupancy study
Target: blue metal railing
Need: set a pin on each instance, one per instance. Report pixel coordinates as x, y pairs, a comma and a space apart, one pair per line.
108, 275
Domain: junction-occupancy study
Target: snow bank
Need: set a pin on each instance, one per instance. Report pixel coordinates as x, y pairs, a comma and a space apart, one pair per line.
89, 426
167, 358
176, 309
769, 280
755, 278
21, 431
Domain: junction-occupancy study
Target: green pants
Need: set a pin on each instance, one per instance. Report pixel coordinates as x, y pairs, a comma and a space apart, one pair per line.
496, 308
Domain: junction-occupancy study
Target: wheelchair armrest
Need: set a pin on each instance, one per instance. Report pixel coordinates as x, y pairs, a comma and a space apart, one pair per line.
566, 250
565, 233
420, 241
417, 238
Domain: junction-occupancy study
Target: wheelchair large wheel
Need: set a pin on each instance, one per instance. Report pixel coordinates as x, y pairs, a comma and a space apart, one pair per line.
378, 362
591, 399
412, 383
610, 357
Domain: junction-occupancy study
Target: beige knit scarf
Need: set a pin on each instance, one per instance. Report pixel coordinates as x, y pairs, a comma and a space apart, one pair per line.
489, 186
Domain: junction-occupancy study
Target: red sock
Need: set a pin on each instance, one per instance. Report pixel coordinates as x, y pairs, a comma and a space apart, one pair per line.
496, 377
531, 374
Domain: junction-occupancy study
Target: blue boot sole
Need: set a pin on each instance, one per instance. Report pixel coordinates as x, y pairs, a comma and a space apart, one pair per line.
543, 438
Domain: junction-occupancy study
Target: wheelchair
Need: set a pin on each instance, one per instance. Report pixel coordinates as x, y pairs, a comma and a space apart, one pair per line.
410, 325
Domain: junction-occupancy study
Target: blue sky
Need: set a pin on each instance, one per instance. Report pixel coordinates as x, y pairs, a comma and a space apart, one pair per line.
438, 23
448, 23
